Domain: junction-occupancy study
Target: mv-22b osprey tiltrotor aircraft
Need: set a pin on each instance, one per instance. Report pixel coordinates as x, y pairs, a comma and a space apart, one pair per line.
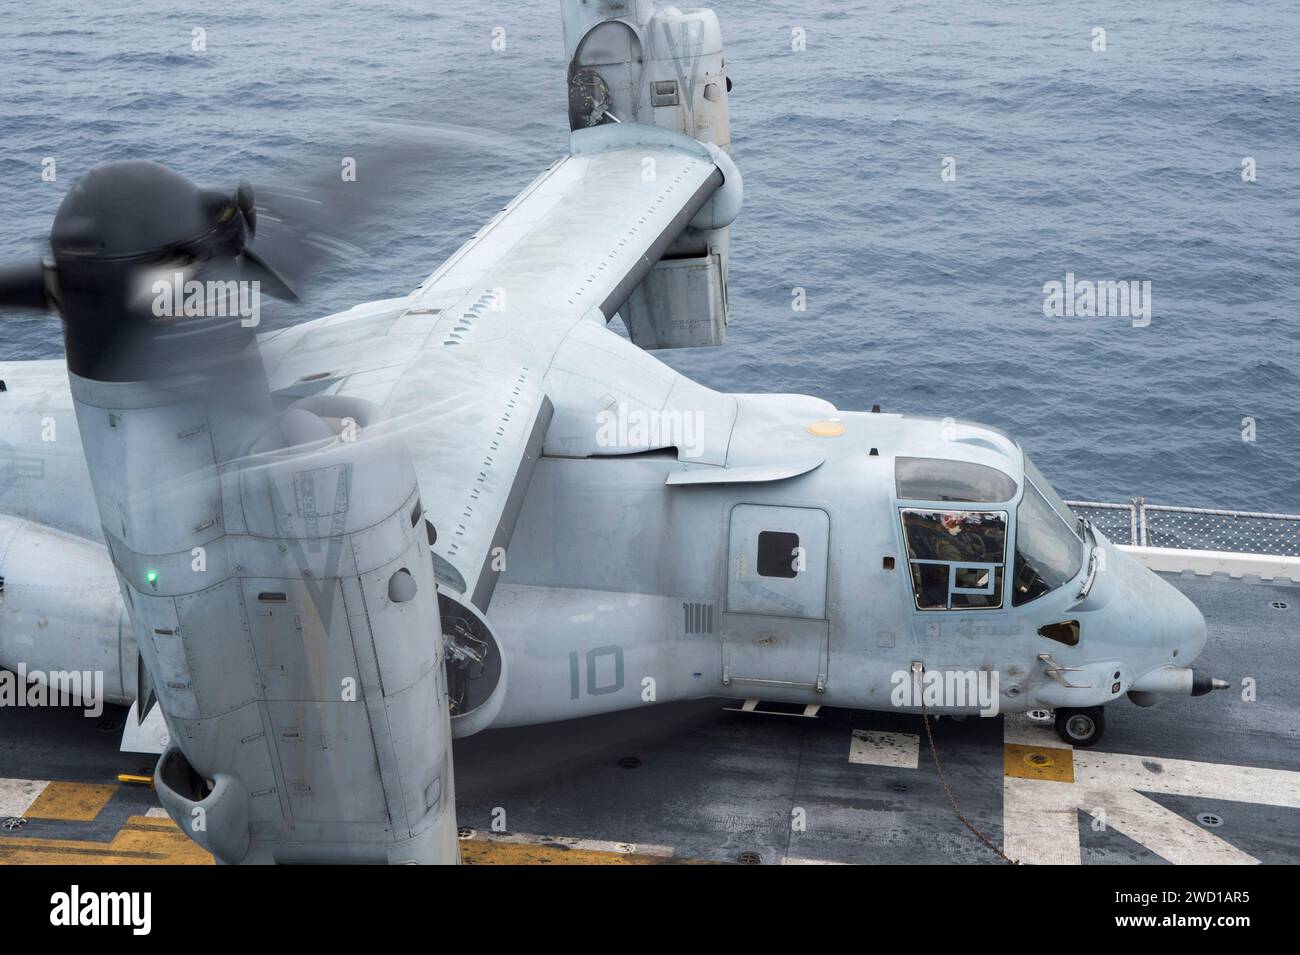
326, 551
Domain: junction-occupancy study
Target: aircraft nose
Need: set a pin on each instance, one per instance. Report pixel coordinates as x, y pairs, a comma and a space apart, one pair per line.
1161, 615
1187, 628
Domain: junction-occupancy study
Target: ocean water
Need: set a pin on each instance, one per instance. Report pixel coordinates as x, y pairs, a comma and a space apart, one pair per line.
923, 295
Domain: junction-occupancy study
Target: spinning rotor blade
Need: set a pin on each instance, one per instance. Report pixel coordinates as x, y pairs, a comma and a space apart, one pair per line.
25, 287
302, 225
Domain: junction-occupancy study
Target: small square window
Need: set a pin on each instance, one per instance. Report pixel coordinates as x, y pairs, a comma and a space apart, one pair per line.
976, 601
778, 554
973, 578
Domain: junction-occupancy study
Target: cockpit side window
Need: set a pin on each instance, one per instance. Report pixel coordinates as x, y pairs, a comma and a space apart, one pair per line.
939, 479
1048, 552
957, 558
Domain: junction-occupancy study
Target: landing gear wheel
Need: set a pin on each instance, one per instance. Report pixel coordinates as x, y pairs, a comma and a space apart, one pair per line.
1081, 728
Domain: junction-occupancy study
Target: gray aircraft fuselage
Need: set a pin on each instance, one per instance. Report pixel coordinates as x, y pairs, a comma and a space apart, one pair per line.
627, 567
617, 578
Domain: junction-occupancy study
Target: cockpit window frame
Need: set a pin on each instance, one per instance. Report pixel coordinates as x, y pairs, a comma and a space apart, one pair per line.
1003, 574
997, 571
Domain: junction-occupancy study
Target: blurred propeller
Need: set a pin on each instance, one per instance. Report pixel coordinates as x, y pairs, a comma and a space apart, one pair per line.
25, 286
120, 231
307, 222
139, 252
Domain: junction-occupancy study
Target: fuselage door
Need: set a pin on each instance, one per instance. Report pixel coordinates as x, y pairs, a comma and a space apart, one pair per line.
774, 628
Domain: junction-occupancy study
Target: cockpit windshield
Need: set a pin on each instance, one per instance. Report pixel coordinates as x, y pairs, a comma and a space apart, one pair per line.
1049, 493
1048, 551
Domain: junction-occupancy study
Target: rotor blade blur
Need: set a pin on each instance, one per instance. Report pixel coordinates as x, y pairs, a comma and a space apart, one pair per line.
302, 226
188, 323
24, 287
256, 269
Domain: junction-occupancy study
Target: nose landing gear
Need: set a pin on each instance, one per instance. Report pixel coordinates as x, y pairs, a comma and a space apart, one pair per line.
1081, 727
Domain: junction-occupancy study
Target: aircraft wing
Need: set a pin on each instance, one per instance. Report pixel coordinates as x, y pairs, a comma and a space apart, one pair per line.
588, 230
461, 364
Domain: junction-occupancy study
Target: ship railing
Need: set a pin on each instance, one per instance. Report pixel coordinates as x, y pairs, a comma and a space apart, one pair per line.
1140, 524
1201, 540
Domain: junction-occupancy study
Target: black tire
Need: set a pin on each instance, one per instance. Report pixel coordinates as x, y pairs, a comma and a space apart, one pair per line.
1081, 728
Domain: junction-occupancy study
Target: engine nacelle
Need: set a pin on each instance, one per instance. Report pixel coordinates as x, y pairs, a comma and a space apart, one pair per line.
61, 612
631, 63
276, 572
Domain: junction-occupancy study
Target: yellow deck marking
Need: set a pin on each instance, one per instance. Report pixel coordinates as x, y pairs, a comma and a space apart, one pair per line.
141, 840
1038, 762
487, 852
73, 802
495, 852
144, 840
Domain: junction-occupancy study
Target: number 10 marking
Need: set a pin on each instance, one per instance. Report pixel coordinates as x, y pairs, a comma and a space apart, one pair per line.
592, 657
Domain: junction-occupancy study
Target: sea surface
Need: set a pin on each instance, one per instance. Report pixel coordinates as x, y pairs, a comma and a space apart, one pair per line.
923, 295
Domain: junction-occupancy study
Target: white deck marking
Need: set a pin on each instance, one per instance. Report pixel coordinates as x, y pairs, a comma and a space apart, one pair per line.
1036, 829
793, 860
1168, 834
874, 748
1185, 777
590, 845
17, 795
1040, 817
1019, 728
